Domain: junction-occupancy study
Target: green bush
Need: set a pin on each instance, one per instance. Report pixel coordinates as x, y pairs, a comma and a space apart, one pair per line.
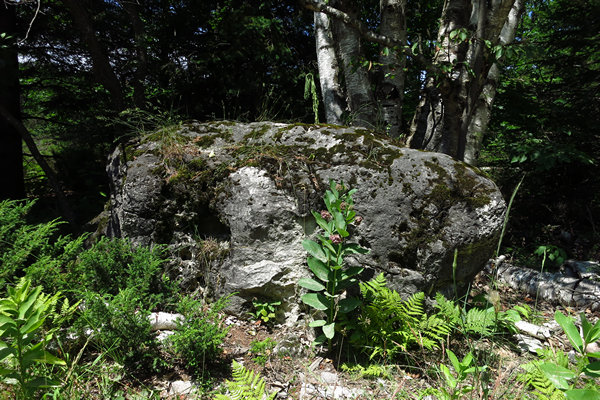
120, 327
33, 249
198, 339
113, 264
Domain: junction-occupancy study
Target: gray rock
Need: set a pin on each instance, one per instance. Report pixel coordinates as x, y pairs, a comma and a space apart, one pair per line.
233, 202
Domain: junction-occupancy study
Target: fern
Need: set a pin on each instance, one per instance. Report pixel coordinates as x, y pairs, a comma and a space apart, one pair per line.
389, 325
246, 385
543, 388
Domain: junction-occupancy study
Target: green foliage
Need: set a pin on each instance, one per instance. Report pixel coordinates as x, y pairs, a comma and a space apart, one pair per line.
456, 385
246, 385
480, 321
265, 311
310, 90
326, 261
120, 327
112, 264
388, 325
199, 336
552, 377
22, 342
33, 249
371, 371
553, 253
261, 350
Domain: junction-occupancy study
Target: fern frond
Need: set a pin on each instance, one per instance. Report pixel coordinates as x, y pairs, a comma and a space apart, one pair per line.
370, 289
246, 385
542, 387
481, 322
448, 309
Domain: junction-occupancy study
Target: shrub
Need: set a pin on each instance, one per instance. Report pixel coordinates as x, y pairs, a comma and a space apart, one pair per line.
199, 336
120, 327
33, 249
113, 264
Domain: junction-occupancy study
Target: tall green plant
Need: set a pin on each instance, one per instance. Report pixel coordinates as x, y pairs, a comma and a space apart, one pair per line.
22, 344
549, 377
326, 261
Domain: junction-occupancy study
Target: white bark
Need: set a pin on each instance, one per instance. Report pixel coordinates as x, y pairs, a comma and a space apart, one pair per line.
359, 96
450, 101
328, 70
390, 91
483, 108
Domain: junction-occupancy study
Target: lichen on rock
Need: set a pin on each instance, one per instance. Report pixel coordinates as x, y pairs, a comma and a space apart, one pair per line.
251, 187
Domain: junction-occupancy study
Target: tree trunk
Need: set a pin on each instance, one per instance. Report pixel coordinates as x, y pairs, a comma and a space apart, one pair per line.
141, 57
451, 98
390, 88
359, 95
483, 108
23, 133
12, 184
329, 70
100, 63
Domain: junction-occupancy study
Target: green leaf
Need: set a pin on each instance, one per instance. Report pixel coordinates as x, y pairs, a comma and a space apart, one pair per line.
350, 272
29, 302
591, 333
329, 330
592, 369
354, 248
348, 304
319, 269
310, 284
316, 300
570, 329
453, 359
340, 223
326, 226
314, 250
48, 358
317, 323
582, 394
557, 375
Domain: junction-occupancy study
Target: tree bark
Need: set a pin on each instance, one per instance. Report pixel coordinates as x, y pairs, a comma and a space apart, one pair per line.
101, 67
390, 88
329, 70
483, 108
359, 95
449, 100
12, 184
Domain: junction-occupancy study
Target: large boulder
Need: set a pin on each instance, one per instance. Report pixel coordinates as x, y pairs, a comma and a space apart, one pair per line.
233, 201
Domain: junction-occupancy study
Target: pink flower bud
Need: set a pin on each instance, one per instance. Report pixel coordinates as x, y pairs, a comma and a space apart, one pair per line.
358, 220
326, 215
335, 238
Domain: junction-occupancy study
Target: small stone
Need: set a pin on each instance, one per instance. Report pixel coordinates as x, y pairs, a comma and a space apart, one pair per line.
329, 378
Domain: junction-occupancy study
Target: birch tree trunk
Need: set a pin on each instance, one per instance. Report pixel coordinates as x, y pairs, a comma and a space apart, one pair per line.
329, 70
483, 108
390, 90
450, 98
455, 102
100, 64
359, 95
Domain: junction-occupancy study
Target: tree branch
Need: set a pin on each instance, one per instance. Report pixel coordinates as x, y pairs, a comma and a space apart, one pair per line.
318, 6
48, 171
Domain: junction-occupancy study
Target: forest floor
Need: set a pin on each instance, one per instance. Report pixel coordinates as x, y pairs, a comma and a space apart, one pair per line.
303, 372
